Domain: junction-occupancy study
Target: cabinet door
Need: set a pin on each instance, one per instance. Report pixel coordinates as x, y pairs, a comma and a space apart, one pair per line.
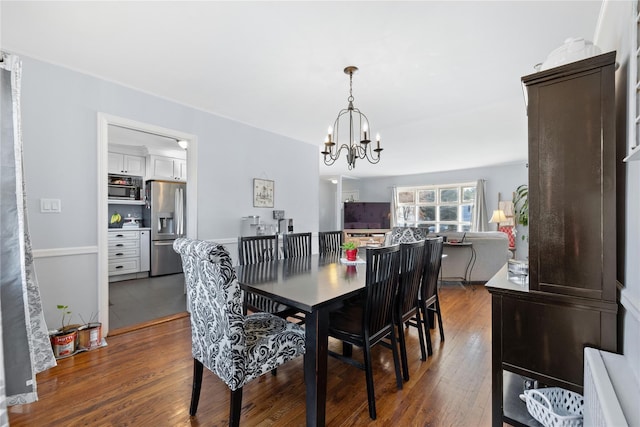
180, 169
145, 264
572, 179
116, 163
162, 167
133, 165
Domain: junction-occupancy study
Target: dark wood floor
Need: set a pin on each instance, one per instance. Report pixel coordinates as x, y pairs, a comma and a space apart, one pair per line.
143, 378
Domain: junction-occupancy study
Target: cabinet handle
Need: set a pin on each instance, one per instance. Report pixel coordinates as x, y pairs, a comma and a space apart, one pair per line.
119, 266
119, 245
119, 254
119, 235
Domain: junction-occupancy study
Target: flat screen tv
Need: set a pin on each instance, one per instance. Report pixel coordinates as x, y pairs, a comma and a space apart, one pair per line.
367, 215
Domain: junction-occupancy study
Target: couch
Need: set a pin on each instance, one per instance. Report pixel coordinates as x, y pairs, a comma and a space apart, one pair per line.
491, 248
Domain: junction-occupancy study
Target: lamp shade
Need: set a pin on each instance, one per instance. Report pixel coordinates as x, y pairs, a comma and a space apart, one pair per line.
498, 216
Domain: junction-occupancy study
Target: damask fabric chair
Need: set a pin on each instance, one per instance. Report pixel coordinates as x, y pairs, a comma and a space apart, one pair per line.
429, 299
368, 324
257, 249
407, 305
235, 347
329, 241
296, 245
405, 235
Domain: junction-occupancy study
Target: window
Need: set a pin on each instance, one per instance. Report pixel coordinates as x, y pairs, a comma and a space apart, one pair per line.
437, 207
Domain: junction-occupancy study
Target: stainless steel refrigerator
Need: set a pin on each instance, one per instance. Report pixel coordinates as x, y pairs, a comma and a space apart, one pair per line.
165, 213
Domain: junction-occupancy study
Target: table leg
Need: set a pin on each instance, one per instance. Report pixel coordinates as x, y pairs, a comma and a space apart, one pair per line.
470, 265
315, 365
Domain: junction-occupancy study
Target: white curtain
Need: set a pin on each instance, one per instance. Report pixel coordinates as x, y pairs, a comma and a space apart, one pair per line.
27, 349
480, 219
394, 207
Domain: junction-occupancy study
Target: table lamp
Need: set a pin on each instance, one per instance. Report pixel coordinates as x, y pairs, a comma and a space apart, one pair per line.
498, 217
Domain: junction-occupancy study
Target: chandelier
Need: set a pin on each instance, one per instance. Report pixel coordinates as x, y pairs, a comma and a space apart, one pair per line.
356, 148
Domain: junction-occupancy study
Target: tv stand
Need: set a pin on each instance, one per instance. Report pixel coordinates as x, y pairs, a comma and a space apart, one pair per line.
365, 236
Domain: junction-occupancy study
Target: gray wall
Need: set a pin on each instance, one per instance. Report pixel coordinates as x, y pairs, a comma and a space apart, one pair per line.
617, 21
328, 201
59, 117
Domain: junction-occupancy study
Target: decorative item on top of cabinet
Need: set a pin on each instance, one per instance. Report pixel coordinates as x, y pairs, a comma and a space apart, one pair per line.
127, 164
167, 168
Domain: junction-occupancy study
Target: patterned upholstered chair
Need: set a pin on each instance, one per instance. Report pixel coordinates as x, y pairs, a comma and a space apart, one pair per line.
235, 347
405, 235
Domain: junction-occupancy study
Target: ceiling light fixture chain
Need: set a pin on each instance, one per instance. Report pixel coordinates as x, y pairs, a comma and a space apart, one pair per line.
354, 150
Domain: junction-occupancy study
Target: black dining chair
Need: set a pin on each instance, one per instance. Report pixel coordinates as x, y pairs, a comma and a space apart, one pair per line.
254, 250
407, 302
329, 241
235, 347
371, 322
429, 299
296, 245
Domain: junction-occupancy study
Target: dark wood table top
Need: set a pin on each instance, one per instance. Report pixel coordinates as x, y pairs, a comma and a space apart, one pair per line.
307, 283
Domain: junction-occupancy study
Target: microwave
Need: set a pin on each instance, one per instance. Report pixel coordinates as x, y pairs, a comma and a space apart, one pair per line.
122, 187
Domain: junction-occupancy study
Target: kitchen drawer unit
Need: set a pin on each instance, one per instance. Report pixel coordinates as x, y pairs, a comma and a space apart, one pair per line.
124, 266
124, 252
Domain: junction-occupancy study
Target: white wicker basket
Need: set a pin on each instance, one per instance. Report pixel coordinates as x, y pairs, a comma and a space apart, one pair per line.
555, 407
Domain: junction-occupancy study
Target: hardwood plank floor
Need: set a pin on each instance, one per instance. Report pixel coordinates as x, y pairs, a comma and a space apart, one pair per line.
143, 378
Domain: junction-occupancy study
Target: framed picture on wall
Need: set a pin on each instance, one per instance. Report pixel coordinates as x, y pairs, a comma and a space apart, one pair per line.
262, 193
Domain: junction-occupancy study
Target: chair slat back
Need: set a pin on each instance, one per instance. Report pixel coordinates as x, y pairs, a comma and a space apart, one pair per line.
411, 270
217, 332
431, 270
255, 249
329, 241
296, 245
382, 270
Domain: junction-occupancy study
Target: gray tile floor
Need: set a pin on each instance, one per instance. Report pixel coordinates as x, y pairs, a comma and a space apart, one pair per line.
136, 301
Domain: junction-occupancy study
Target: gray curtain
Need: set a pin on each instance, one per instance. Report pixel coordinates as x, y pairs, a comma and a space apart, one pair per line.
394, 207
480, 220
25, 338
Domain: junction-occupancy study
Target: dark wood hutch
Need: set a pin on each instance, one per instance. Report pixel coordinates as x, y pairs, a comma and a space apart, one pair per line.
540, 331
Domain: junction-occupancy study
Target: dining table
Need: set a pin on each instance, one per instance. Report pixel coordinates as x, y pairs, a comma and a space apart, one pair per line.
315, 285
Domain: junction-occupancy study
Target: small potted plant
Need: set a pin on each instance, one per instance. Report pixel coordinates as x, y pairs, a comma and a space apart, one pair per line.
64, 339
350, 250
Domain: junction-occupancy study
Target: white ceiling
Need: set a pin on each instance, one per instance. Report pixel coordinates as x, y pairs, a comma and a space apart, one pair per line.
440, 81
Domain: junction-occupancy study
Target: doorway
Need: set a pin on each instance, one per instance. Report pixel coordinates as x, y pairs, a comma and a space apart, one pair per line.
141, 134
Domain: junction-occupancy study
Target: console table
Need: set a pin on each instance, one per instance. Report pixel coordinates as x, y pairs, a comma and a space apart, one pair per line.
472, 260
365, 236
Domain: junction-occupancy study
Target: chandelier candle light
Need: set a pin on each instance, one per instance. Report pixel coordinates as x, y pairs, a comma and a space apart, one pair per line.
355, 150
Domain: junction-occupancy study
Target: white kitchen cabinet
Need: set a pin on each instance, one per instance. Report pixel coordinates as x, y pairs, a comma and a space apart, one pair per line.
124, 252
126, 164
128, 254
167, 168
145, 248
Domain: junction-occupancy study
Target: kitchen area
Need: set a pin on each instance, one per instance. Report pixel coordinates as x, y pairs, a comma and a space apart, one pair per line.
147, 212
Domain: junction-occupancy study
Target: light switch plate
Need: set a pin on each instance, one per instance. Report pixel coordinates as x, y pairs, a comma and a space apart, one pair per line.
50, 205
